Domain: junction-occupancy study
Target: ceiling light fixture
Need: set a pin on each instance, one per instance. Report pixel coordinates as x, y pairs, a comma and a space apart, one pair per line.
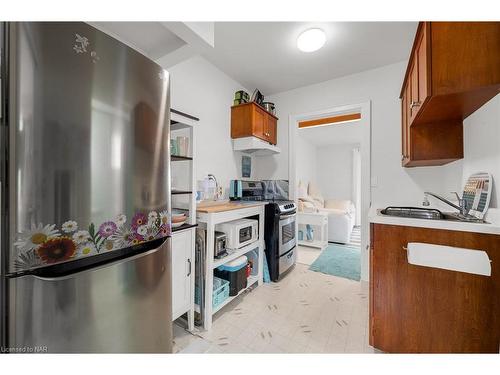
311, 40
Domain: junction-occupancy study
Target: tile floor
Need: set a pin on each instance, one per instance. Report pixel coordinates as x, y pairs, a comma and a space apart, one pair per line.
306, 312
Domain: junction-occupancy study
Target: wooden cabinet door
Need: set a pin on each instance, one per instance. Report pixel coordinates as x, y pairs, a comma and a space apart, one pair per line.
404, 128
182, 268
259, 123
272, 127
418, 75
416, 309
406, 125
413, 83
241, 121
422, 56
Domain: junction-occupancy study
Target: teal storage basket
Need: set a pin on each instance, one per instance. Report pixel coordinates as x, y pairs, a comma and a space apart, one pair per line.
219, 295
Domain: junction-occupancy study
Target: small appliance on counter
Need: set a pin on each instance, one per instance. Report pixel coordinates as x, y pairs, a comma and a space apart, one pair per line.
246, 190
220, 245
235, 190
239, 232
208, 189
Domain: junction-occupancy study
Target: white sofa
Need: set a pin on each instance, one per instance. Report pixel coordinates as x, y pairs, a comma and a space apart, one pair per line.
341, 219
341, 213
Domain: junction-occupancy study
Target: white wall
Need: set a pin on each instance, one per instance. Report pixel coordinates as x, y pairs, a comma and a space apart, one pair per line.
306, 161
394, 185
481, 154
334, 165
200, 89
482, 145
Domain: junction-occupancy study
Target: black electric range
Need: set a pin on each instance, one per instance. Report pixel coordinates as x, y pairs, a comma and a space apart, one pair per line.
279, 223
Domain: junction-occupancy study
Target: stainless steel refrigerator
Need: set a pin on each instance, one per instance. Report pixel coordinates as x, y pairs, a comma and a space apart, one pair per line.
85, 193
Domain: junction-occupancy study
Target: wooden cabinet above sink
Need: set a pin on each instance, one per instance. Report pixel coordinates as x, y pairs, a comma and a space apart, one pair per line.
454, 69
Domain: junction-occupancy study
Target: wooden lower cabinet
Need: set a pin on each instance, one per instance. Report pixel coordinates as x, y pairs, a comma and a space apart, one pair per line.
416, 309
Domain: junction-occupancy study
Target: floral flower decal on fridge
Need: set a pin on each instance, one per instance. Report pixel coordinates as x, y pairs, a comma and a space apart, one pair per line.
46, 244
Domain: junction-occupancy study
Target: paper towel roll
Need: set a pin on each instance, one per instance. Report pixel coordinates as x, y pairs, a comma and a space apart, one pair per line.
449, 258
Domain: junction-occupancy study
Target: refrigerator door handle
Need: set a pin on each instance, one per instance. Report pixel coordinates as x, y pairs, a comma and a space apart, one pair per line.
71, 275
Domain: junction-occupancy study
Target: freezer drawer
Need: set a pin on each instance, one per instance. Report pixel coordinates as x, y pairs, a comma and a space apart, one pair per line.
121, 307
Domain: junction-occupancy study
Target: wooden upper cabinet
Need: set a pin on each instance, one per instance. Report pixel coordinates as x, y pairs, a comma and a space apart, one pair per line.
453, 70
250, 119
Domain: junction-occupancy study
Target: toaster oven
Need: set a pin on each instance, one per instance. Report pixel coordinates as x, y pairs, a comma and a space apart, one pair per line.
240, 232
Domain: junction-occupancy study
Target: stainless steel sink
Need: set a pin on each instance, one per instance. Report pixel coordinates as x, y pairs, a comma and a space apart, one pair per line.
413, 212
427, 213
455, 216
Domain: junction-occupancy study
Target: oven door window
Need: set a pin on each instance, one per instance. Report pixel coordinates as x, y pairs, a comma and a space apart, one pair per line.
288, 233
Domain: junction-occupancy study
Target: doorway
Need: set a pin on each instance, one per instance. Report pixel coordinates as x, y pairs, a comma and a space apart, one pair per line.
342, 130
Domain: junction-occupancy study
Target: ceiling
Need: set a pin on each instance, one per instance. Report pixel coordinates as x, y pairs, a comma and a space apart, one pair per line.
150, 38
334, 134
264, 55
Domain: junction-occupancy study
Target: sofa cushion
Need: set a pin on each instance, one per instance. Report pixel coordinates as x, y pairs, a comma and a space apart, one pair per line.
315, 193
334, 211
302, 190
344, 205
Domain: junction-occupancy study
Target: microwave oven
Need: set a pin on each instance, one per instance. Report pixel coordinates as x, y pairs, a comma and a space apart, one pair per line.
240, 232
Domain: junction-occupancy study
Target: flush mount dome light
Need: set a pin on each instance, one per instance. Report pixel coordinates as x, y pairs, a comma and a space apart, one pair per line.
311, 40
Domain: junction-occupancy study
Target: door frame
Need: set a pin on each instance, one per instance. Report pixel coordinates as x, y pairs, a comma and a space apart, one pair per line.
365, 150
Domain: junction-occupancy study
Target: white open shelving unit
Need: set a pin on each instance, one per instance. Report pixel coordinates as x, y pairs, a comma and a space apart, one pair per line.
319, 221
209, 220
182, 171
251, 281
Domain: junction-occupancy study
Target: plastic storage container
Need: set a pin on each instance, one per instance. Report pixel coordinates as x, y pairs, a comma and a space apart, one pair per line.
236, 273
219, 295
253, 260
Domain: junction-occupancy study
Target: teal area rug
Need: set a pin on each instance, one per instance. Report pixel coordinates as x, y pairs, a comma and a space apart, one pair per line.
339, 260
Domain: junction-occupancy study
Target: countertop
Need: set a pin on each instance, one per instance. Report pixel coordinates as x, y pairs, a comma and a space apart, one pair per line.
229, 206
492, 227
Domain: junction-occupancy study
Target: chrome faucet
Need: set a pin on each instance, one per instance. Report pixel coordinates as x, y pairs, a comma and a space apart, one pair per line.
462, 207
216, 193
